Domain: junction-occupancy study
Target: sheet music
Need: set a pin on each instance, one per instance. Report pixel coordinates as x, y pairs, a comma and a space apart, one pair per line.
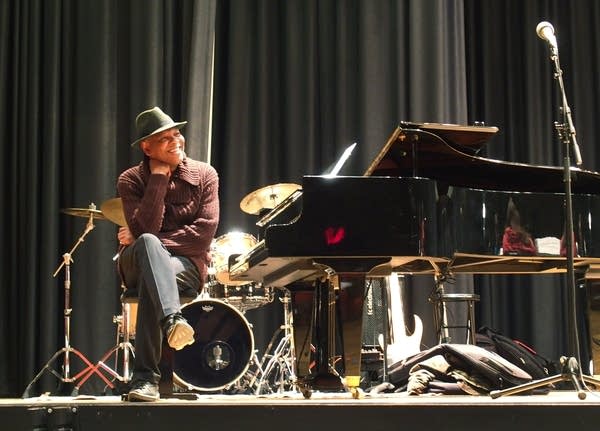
340, 163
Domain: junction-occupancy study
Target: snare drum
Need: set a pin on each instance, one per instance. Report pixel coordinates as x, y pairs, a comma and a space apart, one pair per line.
243, 298
222, 350
223, 247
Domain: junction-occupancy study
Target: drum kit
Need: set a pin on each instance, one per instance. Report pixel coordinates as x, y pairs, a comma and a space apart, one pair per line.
223, 356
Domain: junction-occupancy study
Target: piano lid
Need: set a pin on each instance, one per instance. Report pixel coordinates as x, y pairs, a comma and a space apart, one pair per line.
468, 138
447, 153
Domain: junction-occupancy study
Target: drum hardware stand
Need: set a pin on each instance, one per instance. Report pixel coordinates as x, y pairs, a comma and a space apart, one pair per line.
246, 382
210, 282
123, 343
570, 370
281, 362
66, 377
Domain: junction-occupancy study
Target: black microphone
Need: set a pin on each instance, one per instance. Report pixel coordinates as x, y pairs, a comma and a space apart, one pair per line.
545, 31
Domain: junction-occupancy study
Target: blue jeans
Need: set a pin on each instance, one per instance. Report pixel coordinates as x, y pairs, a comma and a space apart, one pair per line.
160, 279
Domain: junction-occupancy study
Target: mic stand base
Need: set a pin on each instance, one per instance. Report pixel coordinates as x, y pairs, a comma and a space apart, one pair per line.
570, 372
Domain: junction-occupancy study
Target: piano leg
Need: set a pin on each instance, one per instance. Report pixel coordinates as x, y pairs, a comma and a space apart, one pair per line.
332, 360
350, 307
303, 314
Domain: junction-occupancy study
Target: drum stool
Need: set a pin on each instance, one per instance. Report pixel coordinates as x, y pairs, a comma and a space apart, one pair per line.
129, 299
440, 315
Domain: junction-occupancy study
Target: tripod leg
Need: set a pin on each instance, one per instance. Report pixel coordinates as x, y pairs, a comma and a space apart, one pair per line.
95, 369
281, 365
88, 372
570, 372
27, 391
253, 375
591, 380
125, 345
269, 367
127, 349
120, 381
527, 386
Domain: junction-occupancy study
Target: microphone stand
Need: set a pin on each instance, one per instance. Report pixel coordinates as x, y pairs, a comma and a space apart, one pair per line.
570, 370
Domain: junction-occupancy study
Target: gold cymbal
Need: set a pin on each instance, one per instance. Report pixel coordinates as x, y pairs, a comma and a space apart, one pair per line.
113, 211
267, 197
84, 212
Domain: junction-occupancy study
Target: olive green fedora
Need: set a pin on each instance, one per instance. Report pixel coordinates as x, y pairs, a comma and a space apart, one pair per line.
153, 121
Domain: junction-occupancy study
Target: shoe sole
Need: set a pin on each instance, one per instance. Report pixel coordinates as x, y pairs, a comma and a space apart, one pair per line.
136, 396
181, 335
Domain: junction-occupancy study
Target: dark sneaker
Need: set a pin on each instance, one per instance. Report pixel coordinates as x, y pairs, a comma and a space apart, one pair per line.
143, 391
178, 331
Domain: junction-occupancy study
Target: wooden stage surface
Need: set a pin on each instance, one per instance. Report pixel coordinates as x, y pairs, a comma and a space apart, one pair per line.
557, 410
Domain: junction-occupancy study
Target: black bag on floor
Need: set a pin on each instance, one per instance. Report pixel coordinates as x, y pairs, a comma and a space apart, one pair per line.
516, 352
473, 360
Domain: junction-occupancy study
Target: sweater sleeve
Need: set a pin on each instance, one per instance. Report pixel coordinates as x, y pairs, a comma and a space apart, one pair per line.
143, 206
194, 239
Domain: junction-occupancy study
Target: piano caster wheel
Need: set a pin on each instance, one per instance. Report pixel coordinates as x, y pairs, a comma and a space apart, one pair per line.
304, 389
306, 392
351, 384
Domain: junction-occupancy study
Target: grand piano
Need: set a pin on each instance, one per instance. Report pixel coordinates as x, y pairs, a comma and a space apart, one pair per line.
427, 204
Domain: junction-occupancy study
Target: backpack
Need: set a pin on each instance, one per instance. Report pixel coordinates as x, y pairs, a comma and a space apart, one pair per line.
497, 372
516, 352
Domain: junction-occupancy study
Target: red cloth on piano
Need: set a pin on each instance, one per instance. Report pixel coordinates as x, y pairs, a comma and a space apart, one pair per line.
517, 243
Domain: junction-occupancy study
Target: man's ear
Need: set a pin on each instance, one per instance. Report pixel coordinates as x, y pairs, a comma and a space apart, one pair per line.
145, 146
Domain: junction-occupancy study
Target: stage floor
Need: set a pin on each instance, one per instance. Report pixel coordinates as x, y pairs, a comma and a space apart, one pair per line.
323, 411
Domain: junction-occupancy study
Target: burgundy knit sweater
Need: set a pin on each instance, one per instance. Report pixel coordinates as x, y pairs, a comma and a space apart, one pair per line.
181, 210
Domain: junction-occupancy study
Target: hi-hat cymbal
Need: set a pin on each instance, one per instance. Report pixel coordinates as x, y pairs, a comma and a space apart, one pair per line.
113, 211
267, 197
84, 212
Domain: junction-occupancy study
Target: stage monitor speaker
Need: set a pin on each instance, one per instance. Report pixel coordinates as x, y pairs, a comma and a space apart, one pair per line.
373, 312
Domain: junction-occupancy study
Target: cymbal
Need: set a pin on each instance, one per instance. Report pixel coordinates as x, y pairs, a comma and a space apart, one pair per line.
84, 212
267, 197
113, 211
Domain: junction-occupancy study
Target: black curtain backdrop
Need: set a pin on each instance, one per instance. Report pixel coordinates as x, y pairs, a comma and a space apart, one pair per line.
294, 84
73, 76
511, 85
297, 82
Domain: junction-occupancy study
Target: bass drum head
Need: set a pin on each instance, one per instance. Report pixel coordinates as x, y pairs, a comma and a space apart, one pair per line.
222, 349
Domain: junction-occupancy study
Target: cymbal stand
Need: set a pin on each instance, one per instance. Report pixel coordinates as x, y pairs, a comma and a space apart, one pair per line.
281, 363
66, 377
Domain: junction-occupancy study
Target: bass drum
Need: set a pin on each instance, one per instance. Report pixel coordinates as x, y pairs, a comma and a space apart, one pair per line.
222, 350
